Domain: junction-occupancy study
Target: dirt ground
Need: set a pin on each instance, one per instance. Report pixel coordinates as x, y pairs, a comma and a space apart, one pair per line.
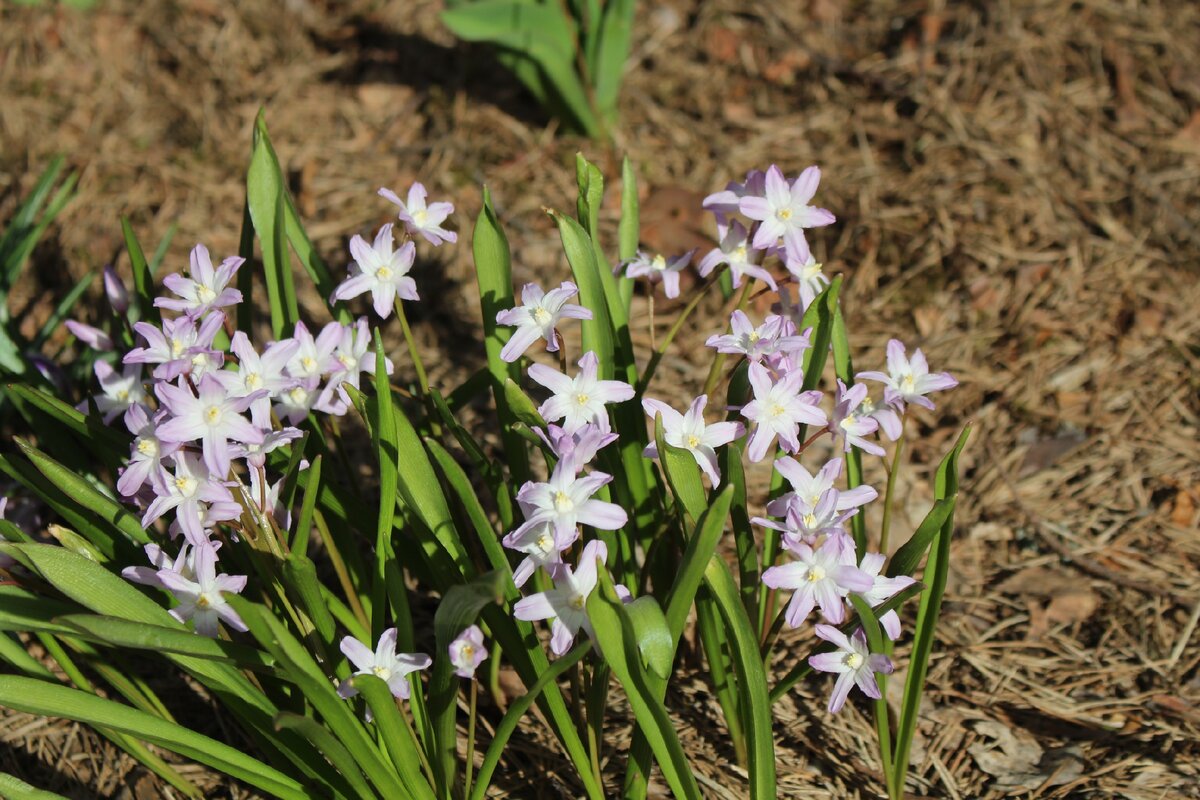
1017, 186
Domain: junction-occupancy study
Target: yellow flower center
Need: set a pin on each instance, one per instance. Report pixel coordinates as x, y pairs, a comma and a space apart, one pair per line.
420, 216
204, 601
298, 395
563, 502
693, 441
544, 542
854, 660
815, 574
205, 294
185, 485
122, 395
582, 399
384, 273
212, 415
541, 316
383, 673
577, 602
812, 270
253, 381
776, 410
349, 362
308, 363
177, 348
468, 652
849, 422
739, 254
908, 384
810, 520
147, 447
659, 263
783, 214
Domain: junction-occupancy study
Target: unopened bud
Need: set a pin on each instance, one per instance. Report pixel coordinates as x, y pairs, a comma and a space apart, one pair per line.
117, 294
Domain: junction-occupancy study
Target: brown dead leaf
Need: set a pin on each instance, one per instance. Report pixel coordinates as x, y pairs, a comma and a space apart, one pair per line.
1183, 509
928, 319
674, 221
1130, 114
1032, 581
1072, 606
723, 44
1187, 139
1048, 452
1017, 762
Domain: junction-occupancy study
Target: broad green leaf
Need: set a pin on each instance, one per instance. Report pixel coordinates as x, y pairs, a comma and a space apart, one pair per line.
521, 406
597, 331
38, 697
159, 638
333, 750
752, 678
294, 228
612, 51
265, 199
819, 317
493, 272
88, 428
937, 568
652, 635
906, 560
469, 501
458, 609
683, 473
541, 32
14, 788
85, 495
396, 735
615, 636
22, 610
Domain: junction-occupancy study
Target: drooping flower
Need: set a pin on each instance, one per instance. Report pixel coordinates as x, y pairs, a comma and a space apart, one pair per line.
380, 270
179, 347
658, 268
689, 432
467, 652
211, 417
805, 523
384, 663
183, 563
808, 488
851, 427
202, 599
120, 390
351, 358
419, 218
565, 500
778, 410
734, 249
783, 210
204, 288
776, 336
810, 277
908, 381
579, 400
854, 662
92, 337
728, 201
542, 546
565, 604
882, 590
820, 577
145, 461
581, 445
538, 316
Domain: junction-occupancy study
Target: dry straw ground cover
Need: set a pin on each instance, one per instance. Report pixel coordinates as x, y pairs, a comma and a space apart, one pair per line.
1018, 190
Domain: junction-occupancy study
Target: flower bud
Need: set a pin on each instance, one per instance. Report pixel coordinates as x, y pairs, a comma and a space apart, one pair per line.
117, 294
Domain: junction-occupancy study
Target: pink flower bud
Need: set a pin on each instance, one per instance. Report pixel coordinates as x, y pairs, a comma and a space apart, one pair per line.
117, 295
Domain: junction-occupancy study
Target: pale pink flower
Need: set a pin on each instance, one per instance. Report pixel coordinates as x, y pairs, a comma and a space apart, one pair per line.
734, 249
419, 218
211, 417
820, 577
579, 400
908, 381
778, 410
384, 663
855, 663
538, 316
202, 598
776, 336
205, 288
882, 590
783, 210
689, 431
658, 268
851, 427
566, 603
380, 270
467, 652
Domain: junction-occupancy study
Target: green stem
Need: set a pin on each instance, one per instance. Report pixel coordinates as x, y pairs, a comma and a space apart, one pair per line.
714, 374
886, 525
470, 765
675, 328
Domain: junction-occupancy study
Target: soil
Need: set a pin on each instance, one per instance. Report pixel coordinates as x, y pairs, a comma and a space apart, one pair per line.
1017, 186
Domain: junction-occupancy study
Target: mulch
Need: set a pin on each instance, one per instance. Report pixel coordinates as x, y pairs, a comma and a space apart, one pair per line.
1016, 185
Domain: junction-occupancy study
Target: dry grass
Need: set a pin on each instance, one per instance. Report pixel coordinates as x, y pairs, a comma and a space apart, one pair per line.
1016, 185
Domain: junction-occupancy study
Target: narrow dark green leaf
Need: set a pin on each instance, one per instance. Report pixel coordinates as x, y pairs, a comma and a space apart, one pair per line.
683, 473
38, 697
906, 560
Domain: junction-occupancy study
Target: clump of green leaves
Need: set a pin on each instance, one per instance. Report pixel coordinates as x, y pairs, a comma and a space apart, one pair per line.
570, 54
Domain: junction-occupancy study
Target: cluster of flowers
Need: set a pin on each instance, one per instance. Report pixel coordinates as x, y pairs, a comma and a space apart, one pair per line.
812, 517
206, 408
199, 423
